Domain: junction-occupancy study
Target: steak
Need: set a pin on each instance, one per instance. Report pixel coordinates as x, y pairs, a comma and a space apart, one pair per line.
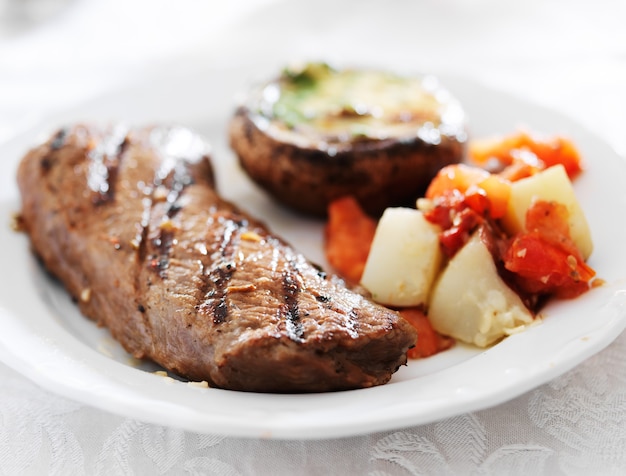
130, 222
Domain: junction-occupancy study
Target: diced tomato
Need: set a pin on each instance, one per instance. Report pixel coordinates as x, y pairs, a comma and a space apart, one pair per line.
458, 216
349, 234
443, 207
476, 184
545, 259
565, 152
453, 238
476, 198
550, 220
554, 150
429, 342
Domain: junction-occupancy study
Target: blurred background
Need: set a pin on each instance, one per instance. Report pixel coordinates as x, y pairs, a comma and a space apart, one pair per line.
569, 54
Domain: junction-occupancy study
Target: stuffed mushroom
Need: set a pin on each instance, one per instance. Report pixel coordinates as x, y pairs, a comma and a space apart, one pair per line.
316, 133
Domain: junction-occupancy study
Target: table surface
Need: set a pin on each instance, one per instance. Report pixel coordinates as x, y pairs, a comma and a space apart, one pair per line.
569, 55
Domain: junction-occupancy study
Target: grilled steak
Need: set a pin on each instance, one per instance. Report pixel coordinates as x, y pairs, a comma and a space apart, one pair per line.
131, 224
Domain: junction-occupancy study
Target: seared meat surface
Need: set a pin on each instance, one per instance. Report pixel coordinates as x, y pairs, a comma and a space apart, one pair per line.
130, 222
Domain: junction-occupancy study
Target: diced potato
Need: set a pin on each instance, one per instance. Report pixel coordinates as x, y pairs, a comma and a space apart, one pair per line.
471, 303
550, 184
404, 258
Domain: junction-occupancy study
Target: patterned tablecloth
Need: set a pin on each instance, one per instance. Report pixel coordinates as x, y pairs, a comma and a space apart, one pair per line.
569, 55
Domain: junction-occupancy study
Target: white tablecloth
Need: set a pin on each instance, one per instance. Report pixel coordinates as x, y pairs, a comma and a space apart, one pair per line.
567, 54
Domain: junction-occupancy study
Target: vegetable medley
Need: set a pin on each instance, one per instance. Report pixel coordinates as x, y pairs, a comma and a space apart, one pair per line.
490, 242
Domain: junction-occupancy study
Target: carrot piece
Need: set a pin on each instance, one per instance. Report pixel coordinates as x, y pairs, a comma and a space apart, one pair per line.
520, 169
481, 151
429, 342
455, 177
553, 150
567, 154
535, 151
349, 233
473, 182
498, 190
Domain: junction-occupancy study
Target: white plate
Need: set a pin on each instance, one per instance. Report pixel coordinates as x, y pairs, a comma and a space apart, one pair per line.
44, 337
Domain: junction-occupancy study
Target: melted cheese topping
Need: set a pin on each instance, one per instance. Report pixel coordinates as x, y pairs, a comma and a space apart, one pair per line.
322, 106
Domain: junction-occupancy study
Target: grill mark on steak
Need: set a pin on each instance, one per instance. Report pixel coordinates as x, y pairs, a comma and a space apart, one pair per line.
163, 244
104, 164
290, 311
181, 178
216, 282
219, 308
140, 240
57, 141
171, 180
47, 163
352, 323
